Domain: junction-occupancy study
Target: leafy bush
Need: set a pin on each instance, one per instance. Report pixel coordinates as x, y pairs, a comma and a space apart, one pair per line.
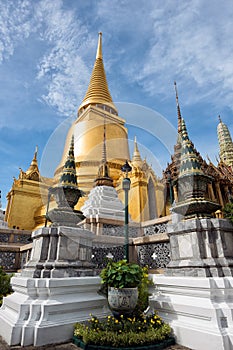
124, 331
5, 287
143, 293
228, 211
121, 274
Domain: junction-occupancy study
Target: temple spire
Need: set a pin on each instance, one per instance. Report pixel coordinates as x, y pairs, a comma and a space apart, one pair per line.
183, 130
103, 178
104, 151
136, 159
225, 143
68, 176
98, 93
99, 47
34, 164
36, 152
178, 109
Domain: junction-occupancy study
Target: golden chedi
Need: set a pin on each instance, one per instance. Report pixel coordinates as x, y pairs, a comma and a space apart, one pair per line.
96, 110
97, 115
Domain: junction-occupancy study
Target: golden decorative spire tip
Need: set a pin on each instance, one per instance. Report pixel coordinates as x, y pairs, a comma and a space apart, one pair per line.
135, 144
99, 47
36, 151
98, 92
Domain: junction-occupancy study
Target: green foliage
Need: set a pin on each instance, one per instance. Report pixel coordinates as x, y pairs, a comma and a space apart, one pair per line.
228, 211
143, 293
124, 331
5, 287
121, 274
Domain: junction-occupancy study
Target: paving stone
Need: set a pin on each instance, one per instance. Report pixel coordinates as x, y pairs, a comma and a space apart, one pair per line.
66, 346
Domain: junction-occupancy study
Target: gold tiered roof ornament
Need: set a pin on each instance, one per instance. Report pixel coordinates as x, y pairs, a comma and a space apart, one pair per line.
136, 159
98, 93
33, 171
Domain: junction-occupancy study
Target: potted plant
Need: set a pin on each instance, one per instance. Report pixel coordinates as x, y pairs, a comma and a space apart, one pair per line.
120, 281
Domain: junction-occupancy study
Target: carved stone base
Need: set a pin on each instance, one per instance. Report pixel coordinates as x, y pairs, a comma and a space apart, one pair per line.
196, 208
201, 247
199, 310
65, 217
44, 310
60, 252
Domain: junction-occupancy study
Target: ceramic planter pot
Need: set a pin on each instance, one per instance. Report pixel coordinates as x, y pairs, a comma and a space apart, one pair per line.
122, 300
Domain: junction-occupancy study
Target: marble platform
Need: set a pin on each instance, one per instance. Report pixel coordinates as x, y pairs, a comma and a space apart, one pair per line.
199, 310
44, 310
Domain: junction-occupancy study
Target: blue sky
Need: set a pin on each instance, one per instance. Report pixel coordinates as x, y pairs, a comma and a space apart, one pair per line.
47, 51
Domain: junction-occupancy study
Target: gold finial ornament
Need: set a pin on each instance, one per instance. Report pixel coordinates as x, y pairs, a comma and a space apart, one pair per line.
98, 93
136, 159
103, 178
99, 47
34, 164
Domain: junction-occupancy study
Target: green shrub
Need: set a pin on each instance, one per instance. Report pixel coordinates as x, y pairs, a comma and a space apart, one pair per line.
228, 211
143, 293
5, 287
124, 331
121, 274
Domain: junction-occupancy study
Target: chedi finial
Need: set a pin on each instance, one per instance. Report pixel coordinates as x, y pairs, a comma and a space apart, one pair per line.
178, 108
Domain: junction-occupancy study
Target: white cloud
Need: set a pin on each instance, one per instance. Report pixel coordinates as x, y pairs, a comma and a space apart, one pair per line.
16, 24
62, 66
61, 71
191, 42
156, 42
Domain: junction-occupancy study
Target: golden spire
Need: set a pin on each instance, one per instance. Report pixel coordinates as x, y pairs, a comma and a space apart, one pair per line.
136, 159
34, 164
33, 171
103, 178
136, 153
104, 151
98, 92
99, 47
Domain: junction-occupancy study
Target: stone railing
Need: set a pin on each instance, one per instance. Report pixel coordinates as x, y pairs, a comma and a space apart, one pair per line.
149, 244
11, 241
153, 248
156, 226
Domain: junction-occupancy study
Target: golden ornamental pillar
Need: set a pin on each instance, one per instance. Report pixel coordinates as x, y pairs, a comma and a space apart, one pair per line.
211, 192
219, 193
